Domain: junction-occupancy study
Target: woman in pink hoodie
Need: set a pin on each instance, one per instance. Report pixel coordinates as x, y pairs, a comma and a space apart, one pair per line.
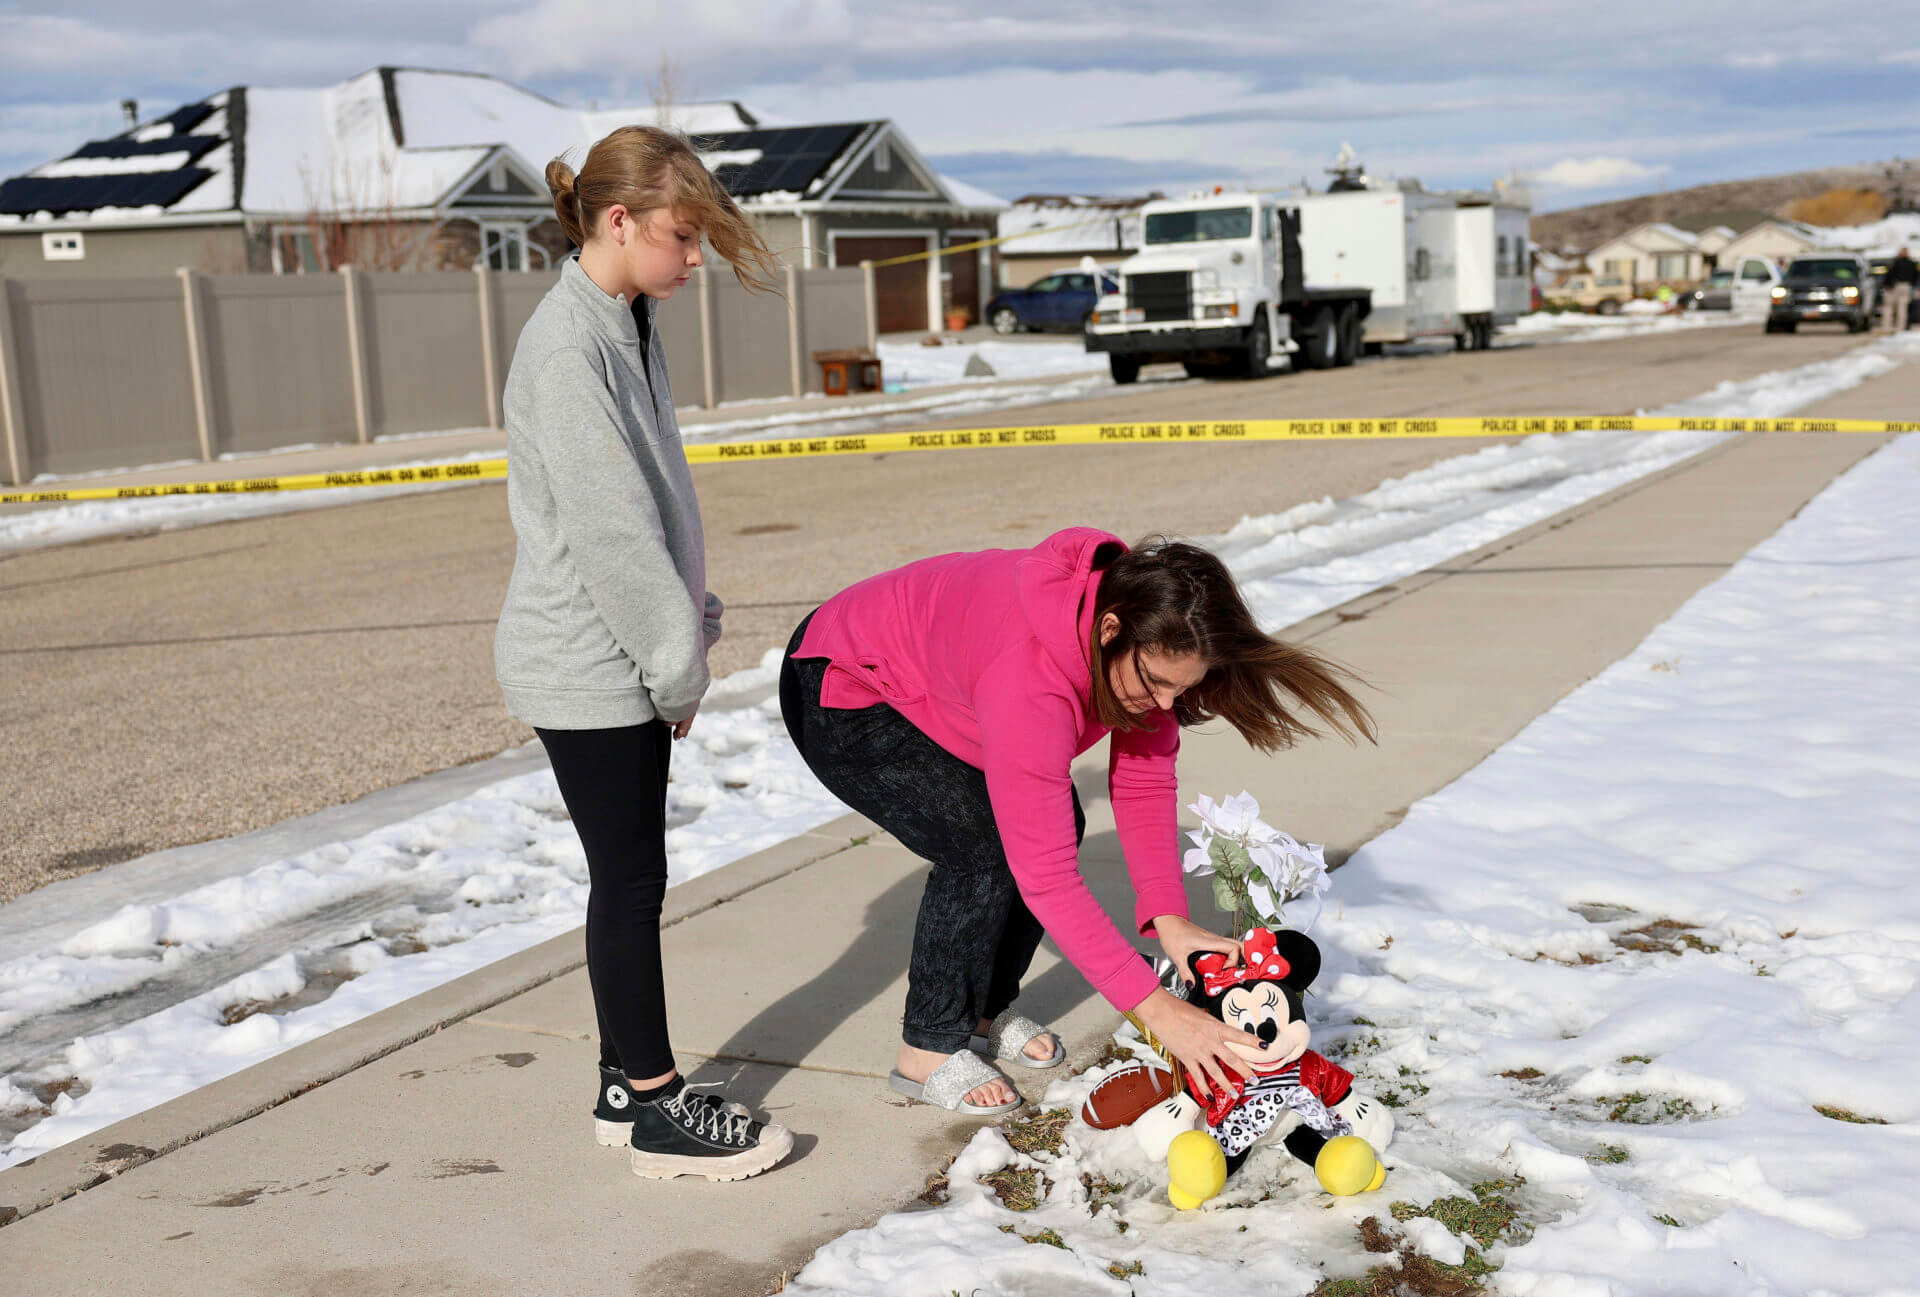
946, 701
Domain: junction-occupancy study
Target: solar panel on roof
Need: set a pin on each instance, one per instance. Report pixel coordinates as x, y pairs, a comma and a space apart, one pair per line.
188, 116
791, 157
195, 146
26, 194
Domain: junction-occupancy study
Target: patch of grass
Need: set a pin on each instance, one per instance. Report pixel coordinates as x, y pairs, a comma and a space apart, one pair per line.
1126, 1269
1412, 1273
1016, 1189
1523, 1074
1362, 1022
1668, 1221
1636, 1058
1665, 937
1042, 1132
936, 1192
1612, 1154
1374, 1236
1623, 1106
1099, 1190
860, 841
1846, 1114
1049, 1237
1487, 1217
1679, 1109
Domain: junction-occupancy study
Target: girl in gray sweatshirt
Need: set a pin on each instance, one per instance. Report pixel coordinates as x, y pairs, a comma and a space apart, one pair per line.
602, 643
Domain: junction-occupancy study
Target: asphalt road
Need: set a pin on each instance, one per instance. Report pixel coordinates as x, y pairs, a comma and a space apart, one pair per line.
180, 686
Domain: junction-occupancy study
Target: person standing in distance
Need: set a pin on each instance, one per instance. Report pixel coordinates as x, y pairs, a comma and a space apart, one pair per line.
1901, 277
603, 638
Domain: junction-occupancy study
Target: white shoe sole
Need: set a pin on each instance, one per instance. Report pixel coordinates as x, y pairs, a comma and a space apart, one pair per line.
775, 1143
612, 1134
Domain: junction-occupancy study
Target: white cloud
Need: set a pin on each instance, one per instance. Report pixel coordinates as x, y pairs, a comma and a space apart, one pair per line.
1596, 173
575, 35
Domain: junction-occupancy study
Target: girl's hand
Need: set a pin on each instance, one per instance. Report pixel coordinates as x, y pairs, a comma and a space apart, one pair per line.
1181, 937
682, 728
1201, 1042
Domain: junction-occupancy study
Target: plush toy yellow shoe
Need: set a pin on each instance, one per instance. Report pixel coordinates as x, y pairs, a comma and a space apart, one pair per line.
1196, 1169
1348, 1165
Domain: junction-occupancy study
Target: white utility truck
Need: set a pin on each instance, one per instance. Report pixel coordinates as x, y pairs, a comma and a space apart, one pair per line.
1219, 285
1398, 242
1492, 275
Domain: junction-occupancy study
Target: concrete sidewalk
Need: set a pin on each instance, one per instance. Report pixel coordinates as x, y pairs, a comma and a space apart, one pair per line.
444, 1146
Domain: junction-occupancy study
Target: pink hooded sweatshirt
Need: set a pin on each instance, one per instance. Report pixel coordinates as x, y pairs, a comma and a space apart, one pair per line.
988, 655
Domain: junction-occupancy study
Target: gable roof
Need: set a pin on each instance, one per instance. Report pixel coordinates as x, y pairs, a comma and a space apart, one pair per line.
400, 139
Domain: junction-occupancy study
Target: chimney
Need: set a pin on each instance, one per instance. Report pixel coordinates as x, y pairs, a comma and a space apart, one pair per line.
130, 109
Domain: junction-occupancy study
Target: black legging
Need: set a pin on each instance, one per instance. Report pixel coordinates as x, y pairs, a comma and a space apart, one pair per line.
614, 782
974, 937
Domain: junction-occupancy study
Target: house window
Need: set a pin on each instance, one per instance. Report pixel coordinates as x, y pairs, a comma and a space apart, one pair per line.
883, 156
1519, 256
507, 247
497, 177
1670, 265
1502, 252
63, 247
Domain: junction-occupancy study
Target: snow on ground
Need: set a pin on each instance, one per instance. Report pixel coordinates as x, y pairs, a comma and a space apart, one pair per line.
1644, 978
1638, 322
910, 365
137, 1006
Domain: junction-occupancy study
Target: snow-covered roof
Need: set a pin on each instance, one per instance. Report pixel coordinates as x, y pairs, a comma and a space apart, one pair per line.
390, 138
1069, 223
969, 196
1882, 238
1683, 237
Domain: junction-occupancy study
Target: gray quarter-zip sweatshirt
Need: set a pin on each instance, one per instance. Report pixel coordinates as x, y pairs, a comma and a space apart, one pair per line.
607, 619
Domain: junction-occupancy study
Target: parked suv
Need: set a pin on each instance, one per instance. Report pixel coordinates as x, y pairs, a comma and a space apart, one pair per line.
1827, 287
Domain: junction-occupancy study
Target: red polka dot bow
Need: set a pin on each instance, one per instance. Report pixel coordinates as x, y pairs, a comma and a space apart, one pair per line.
1260, 962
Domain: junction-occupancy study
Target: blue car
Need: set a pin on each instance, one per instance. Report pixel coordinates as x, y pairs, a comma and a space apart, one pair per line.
1058, 303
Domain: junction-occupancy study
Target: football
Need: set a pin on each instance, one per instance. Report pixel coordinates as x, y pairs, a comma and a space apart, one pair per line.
1120, 1098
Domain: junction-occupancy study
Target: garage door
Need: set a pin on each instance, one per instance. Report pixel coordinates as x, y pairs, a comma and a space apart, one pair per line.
901, 290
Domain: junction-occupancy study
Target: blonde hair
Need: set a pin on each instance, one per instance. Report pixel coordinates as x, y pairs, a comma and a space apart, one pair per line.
645, 168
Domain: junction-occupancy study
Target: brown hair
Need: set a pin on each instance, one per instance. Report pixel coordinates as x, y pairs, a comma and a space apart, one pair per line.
644, 168
1173, 597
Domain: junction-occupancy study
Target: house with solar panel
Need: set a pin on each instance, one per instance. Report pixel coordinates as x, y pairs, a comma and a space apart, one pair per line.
415, 169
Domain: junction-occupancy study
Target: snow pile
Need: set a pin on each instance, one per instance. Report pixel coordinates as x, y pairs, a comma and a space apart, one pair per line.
909, 365
1577, 326
1641, 987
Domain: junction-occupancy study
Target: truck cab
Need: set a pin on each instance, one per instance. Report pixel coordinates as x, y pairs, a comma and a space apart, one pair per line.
1218, 285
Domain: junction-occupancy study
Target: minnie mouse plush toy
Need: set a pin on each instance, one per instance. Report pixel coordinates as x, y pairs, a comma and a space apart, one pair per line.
1295, 1096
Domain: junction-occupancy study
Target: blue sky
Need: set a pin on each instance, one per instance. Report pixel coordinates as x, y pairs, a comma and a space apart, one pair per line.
1590, 100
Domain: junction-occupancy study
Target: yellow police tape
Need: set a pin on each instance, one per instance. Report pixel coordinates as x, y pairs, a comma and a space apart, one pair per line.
1085, 434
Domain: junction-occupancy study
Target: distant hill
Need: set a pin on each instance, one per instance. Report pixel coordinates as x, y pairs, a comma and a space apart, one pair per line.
1737, 203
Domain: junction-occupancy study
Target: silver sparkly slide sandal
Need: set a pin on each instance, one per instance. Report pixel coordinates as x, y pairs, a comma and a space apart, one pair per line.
950, 1083
1007, 1039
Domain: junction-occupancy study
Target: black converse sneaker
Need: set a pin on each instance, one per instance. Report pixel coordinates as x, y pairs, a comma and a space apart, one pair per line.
680, 1133
613, 1110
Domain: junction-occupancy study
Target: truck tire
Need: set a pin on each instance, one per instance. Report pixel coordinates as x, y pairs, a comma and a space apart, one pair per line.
1351, 333
1608, 306
1259, 346
1125, 368
1321, 346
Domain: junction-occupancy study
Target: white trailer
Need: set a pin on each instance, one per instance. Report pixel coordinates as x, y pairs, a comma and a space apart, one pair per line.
1491, 272
1397, 242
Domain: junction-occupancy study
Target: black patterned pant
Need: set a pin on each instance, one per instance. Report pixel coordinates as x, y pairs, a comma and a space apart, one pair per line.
974, 937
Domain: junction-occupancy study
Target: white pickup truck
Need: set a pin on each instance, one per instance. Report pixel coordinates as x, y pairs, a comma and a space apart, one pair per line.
1219, 285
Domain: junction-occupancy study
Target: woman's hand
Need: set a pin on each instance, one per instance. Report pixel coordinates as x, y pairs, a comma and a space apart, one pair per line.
681, 728
1201, 1042
1181, 937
